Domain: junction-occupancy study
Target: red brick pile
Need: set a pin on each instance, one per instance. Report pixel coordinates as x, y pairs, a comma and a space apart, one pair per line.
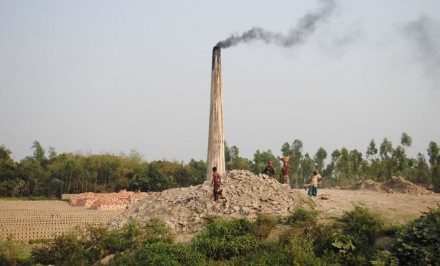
107, 201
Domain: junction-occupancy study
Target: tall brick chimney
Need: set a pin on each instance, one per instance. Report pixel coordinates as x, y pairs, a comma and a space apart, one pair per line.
216, 143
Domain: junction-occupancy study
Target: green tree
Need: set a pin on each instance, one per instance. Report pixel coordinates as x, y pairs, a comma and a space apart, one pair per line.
343, 166
32, 173
261, 159
8, 172
385, 151
422, 168
319, 158
286, 150
228, 156
434, 161
234, 161
399, 161
296, 173
199, 168
371, 150
332, 169
39, 153
307, 167
406, 140
356, 163
238, 162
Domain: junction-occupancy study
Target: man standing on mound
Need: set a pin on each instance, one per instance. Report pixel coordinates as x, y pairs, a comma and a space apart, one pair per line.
216, 181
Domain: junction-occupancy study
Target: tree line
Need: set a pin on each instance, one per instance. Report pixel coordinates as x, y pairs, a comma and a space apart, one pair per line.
50, 174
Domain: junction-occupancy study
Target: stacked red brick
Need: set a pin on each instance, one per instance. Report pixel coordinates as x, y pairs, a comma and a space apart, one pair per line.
107, 201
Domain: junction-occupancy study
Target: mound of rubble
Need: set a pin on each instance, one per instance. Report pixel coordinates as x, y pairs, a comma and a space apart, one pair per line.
107, 201
396, 184
245, 194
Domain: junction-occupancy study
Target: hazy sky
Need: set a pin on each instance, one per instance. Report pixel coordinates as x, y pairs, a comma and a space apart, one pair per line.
113, 76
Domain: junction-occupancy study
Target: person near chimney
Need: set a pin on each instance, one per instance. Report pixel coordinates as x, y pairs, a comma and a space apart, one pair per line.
216, 182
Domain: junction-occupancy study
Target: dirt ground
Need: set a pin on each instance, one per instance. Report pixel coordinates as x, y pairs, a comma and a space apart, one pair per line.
396, 208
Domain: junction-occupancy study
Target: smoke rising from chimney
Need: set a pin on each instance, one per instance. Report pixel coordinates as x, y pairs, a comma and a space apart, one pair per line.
297, 35
424, 35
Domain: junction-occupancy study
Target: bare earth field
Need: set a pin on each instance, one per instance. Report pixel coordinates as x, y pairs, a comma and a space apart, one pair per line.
396, 208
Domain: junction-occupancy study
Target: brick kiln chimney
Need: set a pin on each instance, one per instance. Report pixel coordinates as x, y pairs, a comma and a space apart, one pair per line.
216, 143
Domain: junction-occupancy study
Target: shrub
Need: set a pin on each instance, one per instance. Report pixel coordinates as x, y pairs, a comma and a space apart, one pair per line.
418, 243
161, 253
299, 245
268, 255
264, 225
303, 217
384, 258
116, 242
67, 249
13, 252
362, 224
222, 239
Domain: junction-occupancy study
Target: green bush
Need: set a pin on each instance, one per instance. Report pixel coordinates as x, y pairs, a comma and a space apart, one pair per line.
161, 253
302, 217
116, 242
418, 243
269, 254
384, 258
362, 224
122, 239
66, 249
264, 225
299, 245
222, 239
13, 252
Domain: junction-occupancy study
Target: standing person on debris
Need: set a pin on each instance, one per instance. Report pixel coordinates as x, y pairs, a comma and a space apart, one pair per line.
216, 182
285, 170
285, 176
269, 169
315, 179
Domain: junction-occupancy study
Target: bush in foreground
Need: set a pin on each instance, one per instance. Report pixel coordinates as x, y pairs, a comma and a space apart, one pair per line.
418, 243
13, 252
223, 239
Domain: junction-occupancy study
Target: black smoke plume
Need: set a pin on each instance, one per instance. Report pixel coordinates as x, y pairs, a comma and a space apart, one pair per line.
424, 36
297, 35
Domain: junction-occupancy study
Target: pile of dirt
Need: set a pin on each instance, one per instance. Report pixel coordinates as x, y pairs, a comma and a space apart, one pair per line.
245, 194
396, 184
367, 184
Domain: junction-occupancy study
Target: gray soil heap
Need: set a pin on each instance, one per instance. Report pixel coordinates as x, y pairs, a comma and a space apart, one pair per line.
245, 194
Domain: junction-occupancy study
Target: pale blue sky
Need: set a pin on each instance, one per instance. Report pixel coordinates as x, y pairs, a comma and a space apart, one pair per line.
112, 76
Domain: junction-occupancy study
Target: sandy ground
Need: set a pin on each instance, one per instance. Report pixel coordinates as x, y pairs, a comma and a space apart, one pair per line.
396, 208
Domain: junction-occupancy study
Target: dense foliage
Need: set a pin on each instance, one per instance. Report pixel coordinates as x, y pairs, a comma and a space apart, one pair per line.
50, 174
419, 242
348, 241
58, 174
